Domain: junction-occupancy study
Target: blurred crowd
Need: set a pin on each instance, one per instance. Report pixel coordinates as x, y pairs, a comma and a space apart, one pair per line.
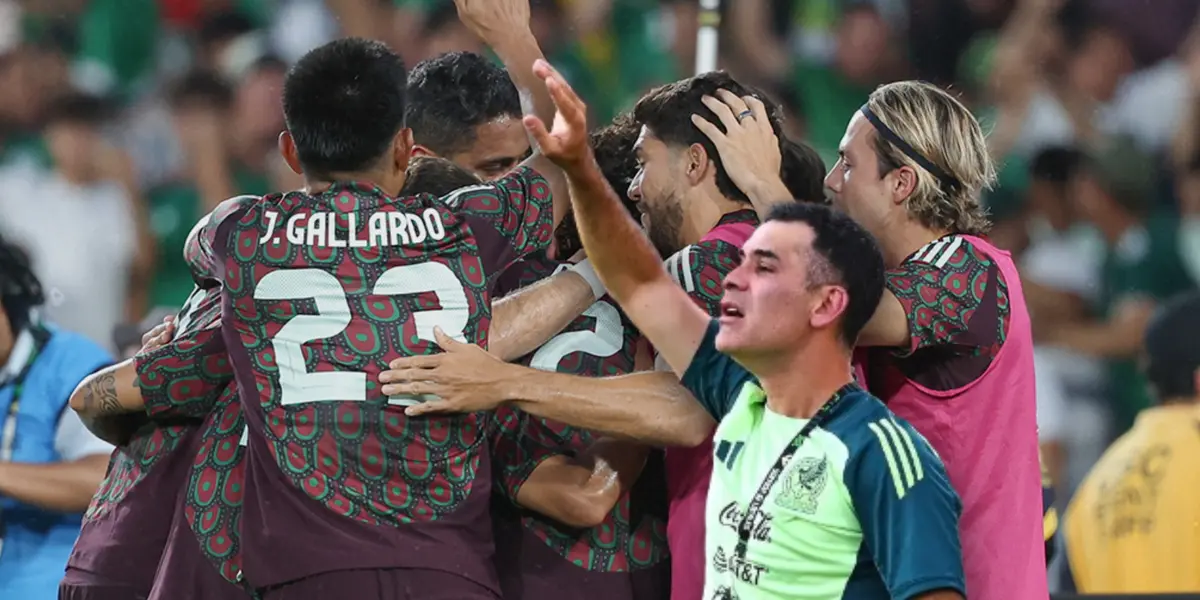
124, 121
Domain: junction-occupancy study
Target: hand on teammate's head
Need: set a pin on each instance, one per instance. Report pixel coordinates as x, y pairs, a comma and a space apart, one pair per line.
748, 146
566, 141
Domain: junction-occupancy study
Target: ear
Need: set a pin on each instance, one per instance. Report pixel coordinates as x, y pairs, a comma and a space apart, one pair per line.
697, 165
903, 182
287, 149
830, 307
419, 150
402, 149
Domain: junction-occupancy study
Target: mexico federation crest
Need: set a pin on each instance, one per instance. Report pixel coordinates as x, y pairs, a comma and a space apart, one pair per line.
801, 487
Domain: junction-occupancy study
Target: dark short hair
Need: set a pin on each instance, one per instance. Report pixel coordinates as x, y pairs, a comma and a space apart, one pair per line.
77, 108
803, 171
667, 112
612, 145
20, 289
344, 104
846, 254
437, 176
1056, 164
452, 94
1172, 355
201, 87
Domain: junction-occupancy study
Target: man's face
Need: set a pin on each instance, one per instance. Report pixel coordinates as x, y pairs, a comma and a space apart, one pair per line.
500, 145
855, 181
658, 191
769, 304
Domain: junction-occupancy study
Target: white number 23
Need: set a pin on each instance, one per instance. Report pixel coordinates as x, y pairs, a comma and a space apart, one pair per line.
297, 384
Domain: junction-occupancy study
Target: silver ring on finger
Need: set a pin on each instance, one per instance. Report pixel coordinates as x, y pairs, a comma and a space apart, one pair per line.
744, 114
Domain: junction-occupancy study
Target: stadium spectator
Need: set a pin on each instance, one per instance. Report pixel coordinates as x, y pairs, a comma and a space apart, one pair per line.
1131, 528
1141, 266
91, 198
50, 466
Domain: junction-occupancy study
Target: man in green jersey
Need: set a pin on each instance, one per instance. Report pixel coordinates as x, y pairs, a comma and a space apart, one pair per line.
818, 491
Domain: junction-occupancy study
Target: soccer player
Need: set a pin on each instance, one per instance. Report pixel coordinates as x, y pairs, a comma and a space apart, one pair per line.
1131, 527
327, 285
464, 108
950, 347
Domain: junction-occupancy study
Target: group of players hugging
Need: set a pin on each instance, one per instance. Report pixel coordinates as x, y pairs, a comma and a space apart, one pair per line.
269, 445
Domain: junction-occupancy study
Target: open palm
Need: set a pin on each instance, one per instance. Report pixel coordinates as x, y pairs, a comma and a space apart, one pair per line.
566, 143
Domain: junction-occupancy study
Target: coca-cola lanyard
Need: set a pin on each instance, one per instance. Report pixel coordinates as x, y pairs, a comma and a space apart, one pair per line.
746, 527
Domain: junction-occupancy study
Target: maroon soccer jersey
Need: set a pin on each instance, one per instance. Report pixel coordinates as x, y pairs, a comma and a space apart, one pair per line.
321, 292
127, 523
625, 556
203, 552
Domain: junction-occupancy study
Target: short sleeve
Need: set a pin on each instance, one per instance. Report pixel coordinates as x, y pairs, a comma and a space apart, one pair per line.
510, 217
714, 378
903, 499
184, 378
199, 248
700, 269
73, 441
953, 296
518, 447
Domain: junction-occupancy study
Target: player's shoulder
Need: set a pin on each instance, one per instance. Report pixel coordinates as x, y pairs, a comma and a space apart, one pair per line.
869, 429
951, 252
710, 258
198, 248
522, 181
527, 271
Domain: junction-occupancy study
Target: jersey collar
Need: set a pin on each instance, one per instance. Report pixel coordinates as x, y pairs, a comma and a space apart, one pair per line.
745, 215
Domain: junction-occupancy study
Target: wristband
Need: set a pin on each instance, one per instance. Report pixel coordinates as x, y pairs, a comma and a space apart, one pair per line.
584, 269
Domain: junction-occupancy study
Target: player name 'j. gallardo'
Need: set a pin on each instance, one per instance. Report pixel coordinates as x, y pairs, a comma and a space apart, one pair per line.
385, 228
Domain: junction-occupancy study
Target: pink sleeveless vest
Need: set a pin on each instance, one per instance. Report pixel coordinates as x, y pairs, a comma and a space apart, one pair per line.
688, 472
986, 433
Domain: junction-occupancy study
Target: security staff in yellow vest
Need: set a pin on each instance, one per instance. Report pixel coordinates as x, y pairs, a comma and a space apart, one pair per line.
1134, 524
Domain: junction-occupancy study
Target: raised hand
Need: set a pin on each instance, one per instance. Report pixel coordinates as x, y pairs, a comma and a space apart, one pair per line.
566, 142
490, 19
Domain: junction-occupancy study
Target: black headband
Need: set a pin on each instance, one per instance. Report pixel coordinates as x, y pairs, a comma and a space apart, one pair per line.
949, 182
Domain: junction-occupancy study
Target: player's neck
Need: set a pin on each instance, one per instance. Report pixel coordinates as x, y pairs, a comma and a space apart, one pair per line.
390, 184
798, 385
702, 214
904, 240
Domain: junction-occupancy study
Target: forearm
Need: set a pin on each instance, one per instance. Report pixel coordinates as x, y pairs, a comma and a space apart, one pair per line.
767, 194
64, 487
582, 491
524, 320
651, 407
518, 52
110, 391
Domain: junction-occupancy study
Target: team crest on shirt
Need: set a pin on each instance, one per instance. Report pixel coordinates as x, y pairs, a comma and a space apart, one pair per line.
802, 486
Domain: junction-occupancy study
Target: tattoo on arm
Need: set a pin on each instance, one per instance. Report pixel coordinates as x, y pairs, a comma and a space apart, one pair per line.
100, 396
